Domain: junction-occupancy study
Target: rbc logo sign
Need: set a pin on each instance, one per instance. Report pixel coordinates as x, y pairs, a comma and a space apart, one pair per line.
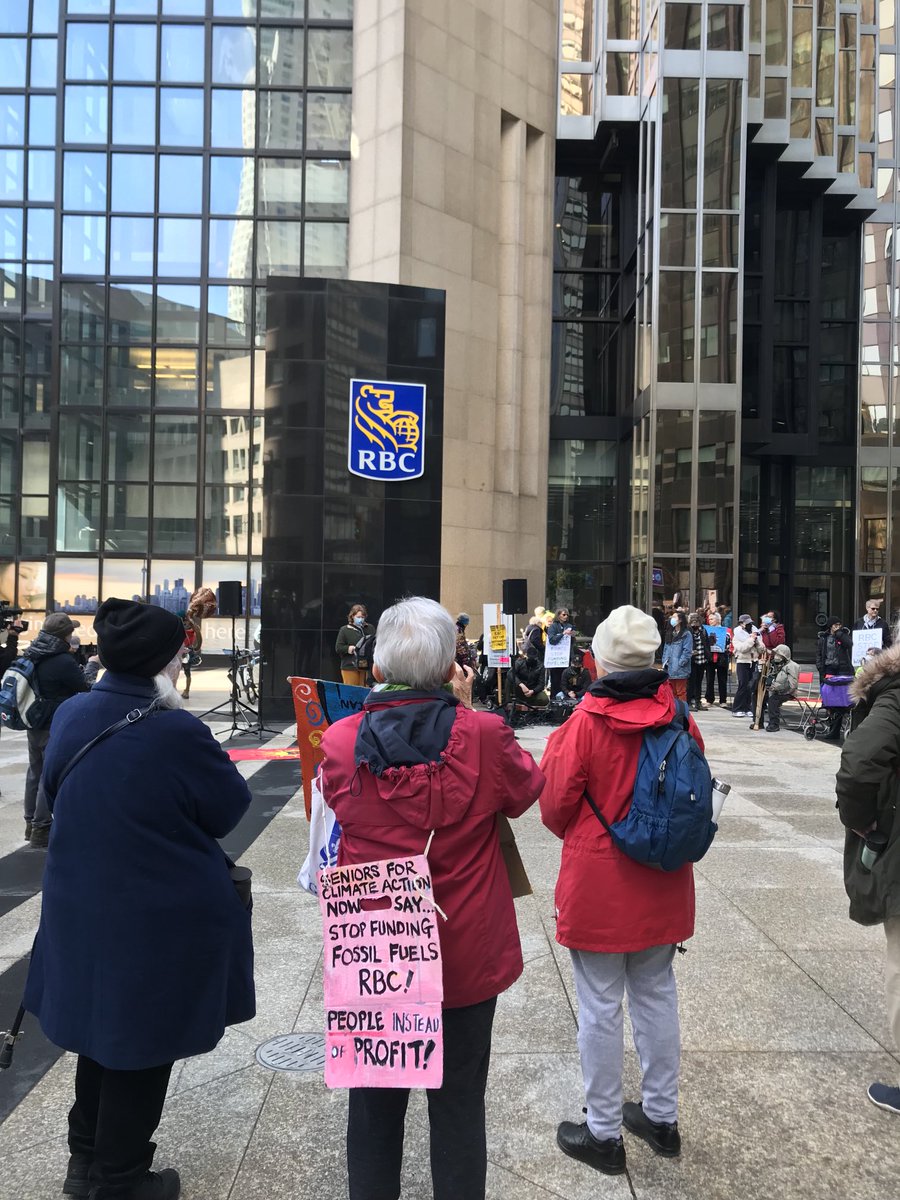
387, 430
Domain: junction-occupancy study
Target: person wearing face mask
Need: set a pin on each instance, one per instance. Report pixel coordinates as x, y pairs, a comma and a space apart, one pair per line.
353, 669
676, 655
772, 633
747, 649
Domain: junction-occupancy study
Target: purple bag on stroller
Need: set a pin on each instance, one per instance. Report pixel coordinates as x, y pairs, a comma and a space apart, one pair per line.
836, 691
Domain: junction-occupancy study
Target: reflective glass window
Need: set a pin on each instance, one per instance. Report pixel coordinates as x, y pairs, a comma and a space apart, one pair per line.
178, 313
39, 230
281, 56
77, 528
684, 26
585, 369
12, 120
136, 8
134, 52
129, 376
228, 315
134, 116
177, 378
11, 233
228, 379
327, 122
676, 327
776, 32
672, 481
131, 246
726, 27
41, 120
131, 313
280, 187
802, 48
722, 161
718, 328
183, 8
126, 529
87, 51
233, 54
45, 15
12, 174
36, 464
84, 180
14, 18
84, 245
231, 249
677, 239
10, 289
128, 446
38, 287
132, 183
801, 118
681, 113
181, 116
38, 347
278, 248
329, 57
83, 312
327, 188
182, 54
227, 124
280, 120
179, 246
225, 520
231, 185
325, 248
86, 113
175, 450
12, 62
43, 62
720, 241
174, 519
80, 451
41, 175
180, 183
577, 30
581, 500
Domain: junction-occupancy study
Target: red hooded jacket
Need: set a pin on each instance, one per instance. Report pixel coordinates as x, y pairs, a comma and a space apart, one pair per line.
606, 901
481, 772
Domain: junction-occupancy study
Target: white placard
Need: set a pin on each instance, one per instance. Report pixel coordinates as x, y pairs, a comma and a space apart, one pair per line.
558, 655
863, 640
493, 615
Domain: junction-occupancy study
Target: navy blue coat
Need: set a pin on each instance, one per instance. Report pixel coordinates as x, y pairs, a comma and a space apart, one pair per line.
144, 952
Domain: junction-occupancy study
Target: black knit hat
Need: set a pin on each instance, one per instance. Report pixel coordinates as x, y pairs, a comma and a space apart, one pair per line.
137, 639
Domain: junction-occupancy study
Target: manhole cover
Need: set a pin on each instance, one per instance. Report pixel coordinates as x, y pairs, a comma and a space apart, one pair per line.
293, 1052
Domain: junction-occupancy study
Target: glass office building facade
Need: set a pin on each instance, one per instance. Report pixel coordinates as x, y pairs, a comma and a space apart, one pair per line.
725, 328
160, 160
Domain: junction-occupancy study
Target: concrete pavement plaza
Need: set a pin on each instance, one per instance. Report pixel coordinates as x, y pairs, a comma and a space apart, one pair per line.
781, 1003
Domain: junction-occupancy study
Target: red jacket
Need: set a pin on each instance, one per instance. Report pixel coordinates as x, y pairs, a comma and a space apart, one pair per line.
482, 771
606, 901
772, 635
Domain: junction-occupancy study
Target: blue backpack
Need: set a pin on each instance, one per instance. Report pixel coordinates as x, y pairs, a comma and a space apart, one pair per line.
21, 704
670, 820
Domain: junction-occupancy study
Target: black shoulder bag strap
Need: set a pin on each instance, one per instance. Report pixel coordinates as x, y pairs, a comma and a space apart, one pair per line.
131, 718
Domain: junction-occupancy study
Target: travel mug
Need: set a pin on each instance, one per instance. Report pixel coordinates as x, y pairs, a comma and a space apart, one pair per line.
873, 844
719, 791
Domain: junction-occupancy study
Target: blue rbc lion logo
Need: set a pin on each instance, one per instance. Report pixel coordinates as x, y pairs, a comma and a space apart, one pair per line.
387, 430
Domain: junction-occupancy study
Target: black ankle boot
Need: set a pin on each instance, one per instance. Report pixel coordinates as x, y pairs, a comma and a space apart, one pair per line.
155, 1185
76, 1181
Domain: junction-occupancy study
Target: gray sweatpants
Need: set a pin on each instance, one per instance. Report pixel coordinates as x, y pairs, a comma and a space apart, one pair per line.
600, 981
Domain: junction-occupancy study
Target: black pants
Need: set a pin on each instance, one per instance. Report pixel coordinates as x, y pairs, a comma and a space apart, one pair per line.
695, 683
455, 1114
774, 702
717, 672
114, 1116
744, 698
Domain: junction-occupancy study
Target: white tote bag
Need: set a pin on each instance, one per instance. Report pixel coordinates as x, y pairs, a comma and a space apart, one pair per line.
324, 838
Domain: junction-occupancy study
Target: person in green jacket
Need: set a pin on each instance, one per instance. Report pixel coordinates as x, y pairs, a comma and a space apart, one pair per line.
868, 790
353, 669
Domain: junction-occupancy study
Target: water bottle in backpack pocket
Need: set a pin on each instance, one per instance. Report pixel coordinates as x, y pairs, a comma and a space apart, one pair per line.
670, 820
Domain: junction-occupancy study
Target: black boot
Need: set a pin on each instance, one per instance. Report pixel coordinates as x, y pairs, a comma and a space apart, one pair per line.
76, 1182
578, 1142
664, 1139
155, 1185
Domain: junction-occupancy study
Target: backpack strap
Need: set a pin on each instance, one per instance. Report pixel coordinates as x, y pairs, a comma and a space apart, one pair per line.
682, 710
597, 813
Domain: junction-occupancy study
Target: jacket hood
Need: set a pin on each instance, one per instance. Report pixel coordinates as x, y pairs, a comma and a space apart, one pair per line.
47, 645
782, 651
411, 745
877, 674
631, 700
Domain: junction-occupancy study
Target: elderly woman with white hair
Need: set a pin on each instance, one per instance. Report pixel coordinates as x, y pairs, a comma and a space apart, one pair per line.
418, 760
144, 952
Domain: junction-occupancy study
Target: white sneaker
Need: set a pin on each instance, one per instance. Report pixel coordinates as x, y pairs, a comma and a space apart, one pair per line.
738, 714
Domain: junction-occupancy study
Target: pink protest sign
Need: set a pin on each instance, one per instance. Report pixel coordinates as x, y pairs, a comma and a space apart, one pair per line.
383, 981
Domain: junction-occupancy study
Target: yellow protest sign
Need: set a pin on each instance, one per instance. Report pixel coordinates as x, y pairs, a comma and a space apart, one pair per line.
498, 637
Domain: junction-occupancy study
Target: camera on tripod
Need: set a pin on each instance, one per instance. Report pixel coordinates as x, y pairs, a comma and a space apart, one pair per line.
9, 614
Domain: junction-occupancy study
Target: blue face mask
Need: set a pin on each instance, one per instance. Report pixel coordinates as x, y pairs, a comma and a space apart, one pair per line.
767, 620
673, 621
360, 621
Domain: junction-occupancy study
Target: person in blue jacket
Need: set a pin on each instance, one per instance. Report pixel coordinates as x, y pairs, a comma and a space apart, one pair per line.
144, 952
676, 655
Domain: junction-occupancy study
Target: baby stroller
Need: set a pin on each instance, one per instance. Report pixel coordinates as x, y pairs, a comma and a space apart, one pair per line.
836, 700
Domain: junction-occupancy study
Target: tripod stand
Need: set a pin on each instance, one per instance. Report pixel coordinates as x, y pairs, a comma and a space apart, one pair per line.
240, 711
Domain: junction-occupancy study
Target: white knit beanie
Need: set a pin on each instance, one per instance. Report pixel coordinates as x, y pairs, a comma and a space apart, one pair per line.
626, 641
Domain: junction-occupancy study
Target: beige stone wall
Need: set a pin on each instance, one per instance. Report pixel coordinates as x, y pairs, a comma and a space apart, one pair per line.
454, 116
